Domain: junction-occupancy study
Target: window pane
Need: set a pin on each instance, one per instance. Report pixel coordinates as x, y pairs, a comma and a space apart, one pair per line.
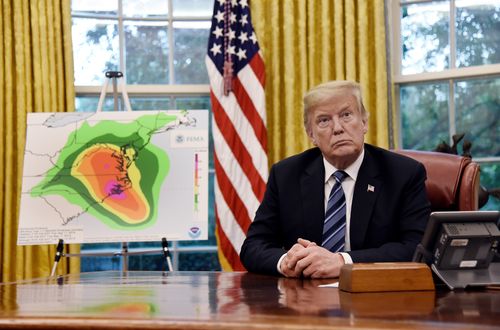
199, 261
99, 7
147, 261
188, 261
146, 52
203, 8
478, 40
424, 115
149, 103
96, 264
89, 103
91, 264
190, 40
490, 179
187, 103
145, 8
478, 115
155, 245
424, 37
95, 49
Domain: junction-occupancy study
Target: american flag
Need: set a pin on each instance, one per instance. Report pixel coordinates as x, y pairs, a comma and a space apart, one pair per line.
236, 71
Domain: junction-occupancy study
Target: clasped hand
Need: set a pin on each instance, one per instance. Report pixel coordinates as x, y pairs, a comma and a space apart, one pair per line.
307, 259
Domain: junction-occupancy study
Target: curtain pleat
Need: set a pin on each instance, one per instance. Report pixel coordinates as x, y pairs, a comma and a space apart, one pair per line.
307, 42
36, 74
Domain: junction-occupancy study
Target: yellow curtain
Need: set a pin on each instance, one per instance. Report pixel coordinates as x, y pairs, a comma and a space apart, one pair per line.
36, 75
306, 42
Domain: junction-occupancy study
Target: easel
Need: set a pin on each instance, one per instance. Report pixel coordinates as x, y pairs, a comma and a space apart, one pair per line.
124, 253
114, 75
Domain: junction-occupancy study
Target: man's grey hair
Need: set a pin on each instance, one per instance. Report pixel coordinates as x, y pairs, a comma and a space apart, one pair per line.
321, 93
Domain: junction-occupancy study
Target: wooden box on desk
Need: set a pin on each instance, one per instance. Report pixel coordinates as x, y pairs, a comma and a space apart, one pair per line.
386, 276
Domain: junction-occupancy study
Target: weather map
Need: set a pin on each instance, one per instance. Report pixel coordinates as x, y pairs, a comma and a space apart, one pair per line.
115, 177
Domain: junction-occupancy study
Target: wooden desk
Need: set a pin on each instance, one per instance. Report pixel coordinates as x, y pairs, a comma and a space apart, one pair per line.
217, 300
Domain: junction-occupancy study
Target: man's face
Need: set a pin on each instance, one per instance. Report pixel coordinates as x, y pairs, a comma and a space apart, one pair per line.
337, 127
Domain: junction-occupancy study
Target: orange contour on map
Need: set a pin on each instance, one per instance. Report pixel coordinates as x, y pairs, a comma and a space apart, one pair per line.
113, 180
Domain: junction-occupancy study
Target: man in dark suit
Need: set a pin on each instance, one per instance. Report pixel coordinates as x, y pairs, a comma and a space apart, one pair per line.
382, 210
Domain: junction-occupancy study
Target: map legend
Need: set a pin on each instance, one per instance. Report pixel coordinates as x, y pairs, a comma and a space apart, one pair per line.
196, 182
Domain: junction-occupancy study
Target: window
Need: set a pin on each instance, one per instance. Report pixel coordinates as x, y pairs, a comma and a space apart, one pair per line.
160, 47
446, 58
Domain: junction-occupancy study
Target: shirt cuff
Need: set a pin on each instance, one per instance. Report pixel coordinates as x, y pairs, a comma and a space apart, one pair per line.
346, 256
279, 264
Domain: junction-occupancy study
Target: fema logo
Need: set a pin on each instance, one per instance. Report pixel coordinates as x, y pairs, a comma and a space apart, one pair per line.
194, 232
179, 138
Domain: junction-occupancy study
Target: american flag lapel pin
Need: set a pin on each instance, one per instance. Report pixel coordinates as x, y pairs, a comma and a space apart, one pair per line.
370, 188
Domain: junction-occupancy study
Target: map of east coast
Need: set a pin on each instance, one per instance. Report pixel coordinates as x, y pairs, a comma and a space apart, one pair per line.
114, 177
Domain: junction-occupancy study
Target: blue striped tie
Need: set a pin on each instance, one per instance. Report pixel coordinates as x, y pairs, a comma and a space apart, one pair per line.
334, 226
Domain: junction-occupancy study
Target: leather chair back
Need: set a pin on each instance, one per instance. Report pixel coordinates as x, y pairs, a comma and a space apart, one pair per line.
452, 181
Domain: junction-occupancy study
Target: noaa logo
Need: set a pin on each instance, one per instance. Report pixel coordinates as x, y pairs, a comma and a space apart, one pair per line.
194, 232
179, 138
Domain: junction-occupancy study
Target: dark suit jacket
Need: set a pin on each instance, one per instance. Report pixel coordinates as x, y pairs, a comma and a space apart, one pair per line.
386, 223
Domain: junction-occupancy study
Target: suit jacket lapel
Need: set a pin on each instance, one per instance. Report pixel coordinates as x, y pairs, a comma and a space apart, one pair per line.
312, 186
366, 190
